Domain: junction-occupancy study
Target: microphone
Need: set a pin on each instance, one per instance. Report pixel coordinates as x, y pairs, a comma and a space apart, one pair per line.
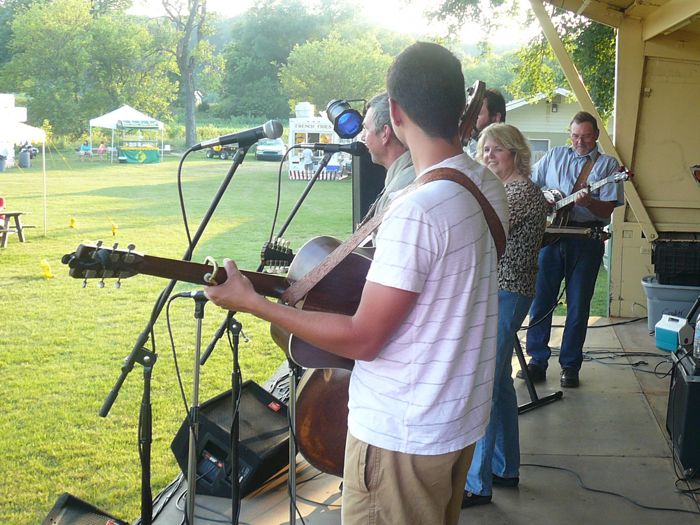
354, 148
197, 295
272, 129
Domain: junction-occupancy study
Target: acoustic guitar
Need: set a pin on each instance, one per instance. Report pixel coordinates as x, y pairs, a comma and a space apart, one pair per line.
322, 393
338, 292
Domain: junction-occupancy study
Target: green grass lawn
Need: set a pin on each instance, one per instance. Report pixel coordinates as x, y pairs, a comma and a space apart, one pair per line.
62, 346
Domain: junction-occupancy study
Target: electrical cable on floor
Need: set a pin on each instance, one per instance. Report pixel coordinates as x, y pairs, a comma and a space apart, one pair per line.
609, 492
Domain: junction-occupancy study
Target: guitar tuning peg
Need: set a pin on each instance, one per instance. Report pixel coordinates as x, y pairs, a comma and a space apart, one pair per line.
115, 246
84, 283
131, 247
101, 283
118, 284
98, 244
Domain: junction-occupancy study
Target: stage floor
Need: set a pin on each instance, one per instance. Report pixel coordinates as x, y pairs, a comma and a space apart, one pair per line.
609, 435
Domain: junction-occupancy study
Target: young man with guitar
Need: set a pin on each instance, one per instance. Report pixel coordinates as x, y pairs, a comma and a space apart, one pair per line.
424, 332
570, 169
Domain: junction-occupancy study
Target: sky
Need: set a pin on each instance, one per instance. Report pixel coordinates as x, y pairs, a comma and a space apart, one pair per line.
392, 14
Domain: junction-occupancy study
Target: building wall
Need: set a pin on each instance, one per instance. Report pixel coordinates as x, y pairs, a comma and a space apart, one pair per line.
658, 137
537, 122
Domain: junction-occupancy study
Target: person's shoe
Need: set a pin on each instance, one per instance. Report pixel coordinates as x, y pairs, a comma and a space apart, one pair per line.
569, 378
471, 500
537, 373
505, 482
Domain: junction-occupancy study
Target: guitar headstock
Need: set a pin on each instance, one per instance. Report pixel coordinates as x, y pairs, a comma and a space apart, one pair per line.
97, 262
277, 255
624, 174
467, 121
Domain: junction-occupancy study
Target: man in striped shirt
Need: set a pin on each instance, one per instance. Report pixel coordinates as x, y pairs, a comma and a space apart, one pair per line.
424, 333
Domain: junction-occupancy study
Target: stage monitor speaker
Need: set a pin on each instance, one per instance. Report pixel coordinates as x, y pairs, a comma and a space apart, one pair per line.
69, 510
683, 414
263, 441
367, 184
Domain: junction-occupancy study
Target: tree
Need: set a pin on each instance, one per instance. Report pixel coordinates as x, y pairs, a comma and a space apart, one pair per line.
259, 47
591, 46
592, 49
103, 7
73, 66
8, 10
333, 68
189, 23
497, 71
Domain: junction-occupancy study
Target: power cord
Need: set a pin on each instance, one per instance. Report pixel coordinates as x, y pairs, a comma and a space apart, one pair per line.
608, 492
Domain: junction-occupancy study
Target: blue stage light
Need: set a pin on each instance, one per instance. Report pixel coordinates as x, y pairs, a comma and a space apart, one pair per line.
347, 122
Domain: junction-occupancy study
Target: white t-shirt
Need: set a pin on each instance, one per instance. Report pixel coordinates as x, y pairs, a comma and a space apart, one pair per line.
429, 390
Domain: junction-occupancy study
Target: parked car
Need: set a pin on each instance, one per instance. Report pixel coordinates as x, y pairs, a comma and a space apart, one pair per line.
222, 152
270, 149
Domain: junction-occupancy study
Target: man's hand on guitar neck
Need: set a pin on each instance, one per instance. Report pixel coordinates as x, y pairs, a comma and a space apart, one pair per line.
236, 293
584, 198
602, 209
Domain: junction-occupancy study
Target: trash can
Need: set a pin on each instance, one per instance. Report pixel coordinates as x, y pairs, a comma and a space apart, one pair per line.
25, 159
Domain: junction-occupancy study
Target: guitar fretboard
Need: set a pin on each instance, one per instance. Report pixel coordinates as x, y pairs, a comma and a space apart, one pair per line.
590, 187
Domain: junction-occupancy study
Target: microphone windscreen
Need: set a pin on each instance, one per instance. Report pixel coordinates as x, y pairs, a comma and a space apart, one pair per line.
273, 129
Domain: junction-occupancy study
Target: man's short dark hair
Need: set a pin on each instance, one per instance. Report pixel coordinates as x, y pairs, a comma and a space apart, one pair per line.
380, 113
426, 80
495, 103
585, 116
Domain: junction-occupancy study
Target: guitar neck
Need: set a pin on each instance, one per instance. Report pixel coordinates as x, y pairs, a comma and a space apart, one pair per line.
589, 187
197, 273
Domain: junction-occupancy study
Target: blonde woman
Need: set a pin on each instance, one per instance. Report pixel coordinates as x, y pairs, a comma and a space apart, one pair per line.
504, 150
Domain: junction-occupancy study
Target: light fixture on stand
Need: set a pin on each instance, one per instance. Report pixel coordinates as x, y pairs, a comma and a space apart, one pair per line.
347, 122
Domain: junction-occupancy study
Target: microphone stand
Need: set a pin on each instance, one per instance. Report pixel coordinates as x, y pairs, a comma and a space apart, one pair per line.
293, 371
140, 355
199, 302
235, 423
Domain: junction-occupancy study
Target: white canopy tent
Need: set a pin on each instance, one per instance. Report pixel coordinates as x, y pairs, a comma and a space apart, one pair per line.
126, 117
18, 133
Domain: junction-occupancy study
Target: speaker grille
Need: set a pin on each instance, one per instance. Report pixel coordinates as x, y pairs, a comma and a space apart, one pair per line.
263, 441
263, 421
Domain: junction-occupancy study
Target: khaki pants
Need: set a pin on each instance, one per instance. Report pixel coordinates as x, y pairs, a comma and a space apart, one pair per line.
382, 487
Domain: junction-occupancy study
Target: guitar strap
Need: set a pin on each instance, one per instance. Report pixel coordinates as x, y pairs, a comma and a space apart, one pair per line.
300, 288
582, 179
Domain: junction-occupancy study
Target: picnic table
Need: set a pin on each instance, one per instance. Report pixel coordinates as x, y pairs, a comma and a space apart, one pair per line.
6, 228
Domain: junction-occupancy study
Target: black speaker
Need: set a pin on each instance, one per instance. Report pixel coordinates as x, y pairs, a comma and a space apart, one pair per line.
263, 441
367, 184
683, 414
69, 510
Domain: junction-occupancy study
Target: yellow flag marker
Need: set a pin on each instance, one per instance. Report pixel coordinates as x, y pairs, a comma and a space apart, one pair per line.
46, 270
71, 222
115, 228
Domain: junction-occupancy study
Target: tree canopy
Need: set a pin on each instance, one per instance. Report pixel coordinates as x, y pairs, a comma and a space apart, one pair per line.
591, 46
73, 65
332, 68
257, 50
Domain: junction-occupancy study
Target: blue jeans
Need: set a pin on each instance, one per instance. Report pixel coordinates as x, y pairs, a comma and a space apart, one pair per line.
498, 451
577, 261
